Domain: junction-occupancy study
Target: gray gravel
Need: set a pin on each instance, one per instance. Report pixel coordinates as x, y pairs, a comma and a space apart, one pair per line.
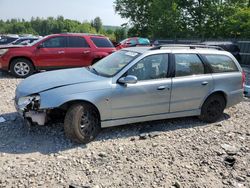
171, 153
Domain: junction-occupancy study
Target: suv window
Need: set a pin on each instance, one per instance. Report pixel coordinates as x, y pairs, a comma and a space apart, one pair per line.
132, 42
55, 42
221, 63
102, 42
188, 64
151, 67
77, 42
143, 41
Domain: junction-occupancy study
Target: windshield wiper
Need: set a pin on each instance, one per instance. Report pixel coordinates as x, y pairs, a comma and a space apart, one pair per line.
92, 68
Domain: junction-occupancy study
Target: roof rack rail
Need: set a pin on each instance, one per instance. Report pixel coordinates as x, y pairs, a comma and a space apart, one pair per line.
191, 46
90, 34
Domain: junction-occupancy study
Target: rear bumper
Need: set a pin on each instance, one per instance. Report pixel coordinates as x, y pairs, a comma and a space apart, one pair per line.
234, 98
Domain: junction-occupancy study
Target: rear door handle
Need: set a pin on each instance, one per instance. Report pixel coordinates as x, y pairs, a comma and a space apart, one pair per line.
204, 83
161, 88
60, 52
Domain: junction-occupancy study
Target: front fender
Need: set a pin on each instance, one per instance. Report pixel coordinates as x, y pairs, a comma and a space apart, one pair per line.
99, 98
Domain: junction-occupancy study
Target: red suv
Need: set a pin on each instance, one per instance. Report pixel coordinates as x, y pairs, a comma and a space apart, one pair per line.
54, 52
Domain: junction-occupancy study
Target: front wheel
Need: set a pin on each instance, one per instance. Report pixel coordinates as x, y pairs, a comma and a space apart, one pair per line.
82, 123
21, 68
213, 108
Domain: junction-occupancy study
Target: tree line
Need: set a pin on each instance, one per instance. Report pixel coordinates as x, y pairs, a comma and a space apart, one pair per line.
51, 25
186, 18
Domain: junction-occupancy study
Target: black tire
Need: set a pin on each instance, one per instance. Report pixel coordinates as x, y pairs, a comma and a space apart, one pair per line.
21, 68
82, 123
213, 108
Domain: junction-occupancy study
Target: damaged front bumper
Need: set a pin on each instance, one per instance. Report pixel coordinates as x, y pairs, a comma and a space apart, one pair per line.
36, 117
28, 108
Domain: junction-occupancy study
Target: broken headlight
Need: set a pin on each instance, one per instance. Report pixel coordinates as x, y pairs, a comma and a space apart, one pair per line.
31, 102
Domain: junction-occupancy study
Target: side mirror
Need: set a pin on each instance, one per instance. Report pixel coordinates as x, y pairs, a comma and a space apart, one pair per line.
40, 46
128, 80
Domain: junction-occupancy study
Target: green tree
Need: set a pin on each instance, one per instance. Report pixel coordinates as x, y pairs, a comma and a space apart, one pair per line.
138, 13
120, 34
97, 24
41, 26
238, 25
178, 18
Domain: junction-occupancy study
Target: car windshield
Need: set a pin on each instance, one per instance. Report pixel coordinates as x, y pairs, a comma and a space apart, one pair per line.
112, 64
36, 41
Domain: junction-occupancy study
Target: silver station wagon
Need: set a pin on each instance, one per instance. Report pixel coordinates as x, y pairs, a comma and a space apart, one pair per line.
134, 85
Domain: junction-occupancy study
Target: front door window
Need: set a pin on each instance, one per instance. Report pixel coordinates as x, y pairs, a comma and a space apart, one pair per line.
151, 67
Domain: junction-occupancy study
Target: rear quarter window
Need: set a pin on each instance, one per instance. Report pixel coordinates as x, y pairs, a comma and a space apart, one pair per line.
102, 42
221, 63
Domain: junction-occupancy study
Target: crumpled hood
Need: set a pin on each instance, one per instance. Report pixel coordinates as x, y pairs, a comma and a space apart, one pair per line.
54, 79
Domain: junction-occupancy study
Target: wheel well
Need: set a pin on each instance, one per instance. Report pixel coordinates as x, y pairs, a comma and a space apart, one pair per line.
221, 93
23, 57
66, 106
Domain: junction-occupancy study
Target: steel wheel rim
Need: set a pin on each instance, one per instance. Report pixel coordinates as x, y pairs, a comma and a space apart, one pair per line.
88, 123
214, 108
21, 68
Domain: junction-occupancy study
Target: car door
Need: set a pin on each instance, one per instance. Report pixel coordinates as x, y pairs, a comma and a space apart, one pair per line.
78, 52
150, 95
192, 83
51, 52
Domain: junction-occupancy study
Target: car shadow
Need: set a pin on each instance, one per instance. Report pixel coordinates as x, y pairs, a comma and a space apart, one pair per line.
17, 138
6, 75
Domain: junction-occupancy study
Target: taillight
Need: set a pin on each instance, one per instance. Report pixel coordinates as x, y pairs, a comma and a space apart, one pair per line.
243, 79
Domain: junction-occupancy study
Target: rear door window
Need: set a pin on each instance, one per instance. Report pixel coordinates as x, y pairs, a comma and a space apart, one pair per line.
221, 63
77, 42
188, 64
102, 42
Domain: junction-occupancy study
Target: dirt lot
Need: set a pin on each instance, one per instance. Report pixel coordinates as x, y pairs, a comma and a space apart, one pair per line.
171, 153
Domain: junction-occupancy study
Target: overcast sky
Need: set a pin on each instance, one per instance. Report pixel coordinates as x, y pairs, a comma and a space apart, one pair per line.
80, 10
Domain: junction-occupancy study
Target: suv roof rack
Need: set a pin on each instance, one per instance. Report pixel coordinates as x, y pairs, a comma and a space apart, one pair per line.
90, 34
190, 46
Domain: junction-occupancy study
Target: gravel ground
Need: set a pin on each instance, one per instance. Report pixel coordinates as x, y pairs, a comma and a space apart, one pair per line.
177, 153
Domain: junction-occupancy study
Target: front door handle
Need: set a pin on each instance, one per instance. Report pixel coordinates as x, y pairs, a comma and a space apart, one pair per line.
161, 88
204, 83
86, 52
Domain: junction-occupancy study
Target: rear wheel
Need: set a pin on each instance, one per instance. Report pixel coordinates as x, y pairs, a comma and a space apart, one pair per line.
213, 108
82, 123
21, 68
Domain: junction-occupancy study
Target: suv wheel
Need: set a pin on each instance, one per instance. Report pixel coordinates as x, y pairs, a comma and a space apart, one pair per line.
21, 68
213, 108
82, 123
